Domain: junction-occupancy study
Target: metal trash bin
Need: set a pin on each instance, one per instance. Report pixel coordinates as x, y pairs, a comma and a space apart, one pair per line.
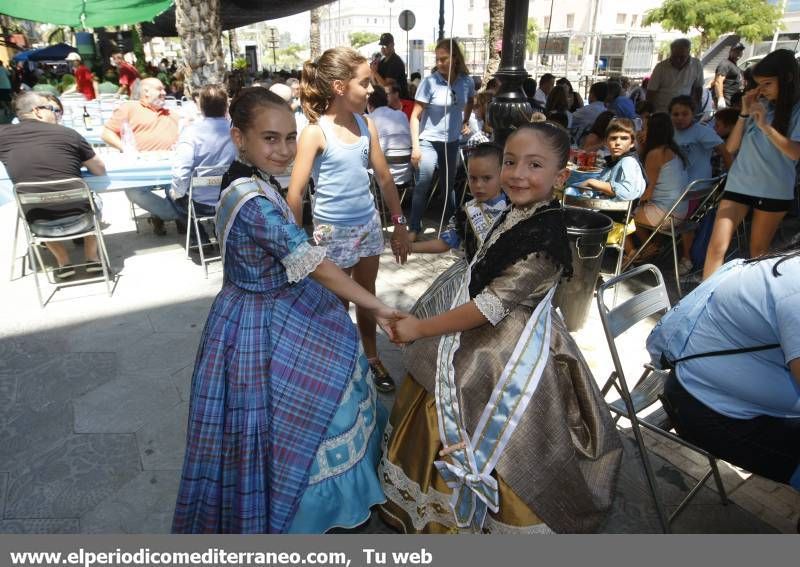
587, 231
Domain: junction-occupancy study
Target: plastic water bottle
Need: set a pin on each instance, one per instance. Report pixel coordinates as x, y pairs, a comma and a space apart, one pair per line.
128, 140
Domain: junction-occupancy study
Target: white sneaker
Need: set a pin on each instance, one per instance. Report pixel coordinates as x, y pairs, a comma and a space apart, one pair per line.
684, 266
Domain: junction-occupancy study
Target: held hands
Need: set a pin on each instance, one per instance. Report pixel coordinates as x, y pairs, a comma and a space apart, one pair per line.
405, 329
387, 317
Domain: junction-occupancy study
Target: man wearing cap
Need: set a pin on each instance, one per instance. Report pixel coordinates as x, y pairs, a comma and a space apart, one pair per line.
85, 83
728, 77
391, 66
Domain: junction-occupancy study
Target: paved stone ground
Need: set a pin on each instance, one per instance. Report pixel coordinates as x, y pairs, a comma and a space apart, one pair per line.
94, 398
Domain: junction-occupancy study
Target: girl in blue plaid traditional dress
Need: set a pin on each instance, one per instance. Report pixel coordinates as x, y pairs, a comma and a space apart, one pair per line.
284, 431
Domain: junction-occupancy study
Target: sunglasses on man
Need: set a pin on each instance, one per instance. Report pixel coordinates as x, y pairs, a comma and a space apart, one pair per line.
51, 108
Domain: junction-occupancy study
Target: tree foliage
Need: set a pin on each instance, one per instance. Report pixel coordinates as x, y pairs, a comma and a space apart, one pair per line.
357, 39
532, 37
752, 20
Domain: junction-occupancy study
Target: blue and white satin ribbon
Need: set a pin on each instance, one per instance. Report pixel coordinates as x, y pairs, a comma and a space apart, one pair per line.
472, 459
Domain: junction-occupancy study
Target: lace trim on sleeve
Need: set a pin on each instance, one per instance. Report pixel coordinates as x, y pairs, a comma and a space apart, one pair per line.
302, 261
491, 306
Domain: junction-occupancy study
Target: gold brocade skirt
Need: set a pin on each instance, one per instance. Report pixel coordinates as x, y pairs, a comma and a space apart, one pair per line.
417, 496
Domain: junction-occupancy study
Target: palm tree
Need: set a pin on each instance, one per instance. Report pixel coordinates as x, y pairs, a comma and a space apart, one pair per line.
199, 25
497, 9
315, 45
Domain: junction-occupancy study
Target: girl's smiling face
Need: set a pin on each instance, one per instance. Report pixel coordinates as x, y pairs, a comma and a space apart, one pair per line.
531, 168
270, 142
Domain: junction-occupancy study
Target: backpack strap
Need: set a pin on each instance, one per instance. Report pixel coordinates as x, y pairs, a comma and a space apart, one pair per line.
672, 363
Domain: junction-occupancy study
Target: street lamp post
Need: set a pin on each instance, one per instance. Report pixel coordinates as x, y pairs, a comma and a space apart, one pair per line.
510, 106
441, 20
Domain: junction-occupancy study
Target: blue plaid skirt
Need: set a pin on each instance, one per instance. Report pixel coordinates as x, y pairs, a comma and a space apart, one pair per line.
279, 382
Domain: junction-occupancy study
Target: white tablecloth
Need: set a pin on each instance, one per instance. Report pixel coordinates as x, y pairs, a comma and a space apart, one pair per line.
122, 172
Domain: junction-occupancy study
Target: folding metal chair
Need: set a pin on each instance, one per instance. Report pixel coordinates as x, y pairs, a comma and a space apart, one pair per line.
648, 389
204, 189
25, 257
43, 194
704, 190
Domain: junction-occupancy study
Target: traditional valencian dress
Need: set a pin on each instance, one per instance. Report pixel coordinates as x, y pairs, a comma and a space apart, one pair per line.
467, 229
531, 445
284, 431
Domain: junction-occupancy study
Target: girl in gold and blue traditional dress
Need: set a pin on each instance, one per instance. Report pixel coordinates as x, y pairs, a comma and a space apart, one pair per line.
499, 426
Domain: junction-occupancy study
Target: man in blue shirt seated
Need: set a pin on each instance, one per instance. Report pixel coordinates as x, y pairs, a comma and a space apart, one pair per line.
205, 143
735, 345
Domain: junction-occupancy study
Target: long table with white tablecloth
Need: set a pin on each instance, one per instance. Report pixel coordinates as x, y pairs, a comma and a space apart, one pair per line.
123, 171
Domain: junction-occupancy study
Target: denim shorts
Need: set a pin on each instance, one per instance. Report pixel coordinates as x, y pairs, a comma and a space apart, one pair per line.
63, 227
346, 245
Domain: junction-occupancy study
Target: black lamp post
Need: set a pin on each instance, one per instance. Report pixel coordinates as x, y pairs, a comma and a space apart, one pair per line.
441, 20
510, 106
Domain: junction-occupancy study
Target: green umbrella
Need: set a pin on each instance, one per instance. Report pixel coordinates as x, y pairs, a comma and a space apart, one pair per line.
85, 13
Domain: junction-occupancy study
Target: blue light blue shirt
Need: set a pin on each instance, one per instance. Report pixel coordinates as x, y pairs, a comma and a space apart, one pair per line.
749, 307
623, 107
204, 143
436, 125
698, 142
341, 181
626, 178
760, 168
672, 180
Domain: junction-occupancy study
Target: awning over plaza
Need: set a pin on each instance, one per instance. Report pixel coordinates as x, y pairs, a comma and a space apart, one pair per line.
235, 14
157, 16
85, 13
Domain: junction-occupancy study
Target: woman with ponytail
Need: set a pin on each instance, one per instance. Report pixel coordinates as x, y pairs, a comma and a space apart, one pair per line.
336, 149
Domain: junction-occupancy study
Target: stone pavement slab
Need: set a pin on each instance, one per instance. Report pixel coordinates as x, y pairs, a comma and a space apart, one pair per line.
72, 477
143, 505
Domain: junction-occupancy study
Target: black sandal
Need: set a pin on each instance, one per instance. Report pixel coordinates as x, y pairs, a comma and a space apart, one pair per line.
383, 380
